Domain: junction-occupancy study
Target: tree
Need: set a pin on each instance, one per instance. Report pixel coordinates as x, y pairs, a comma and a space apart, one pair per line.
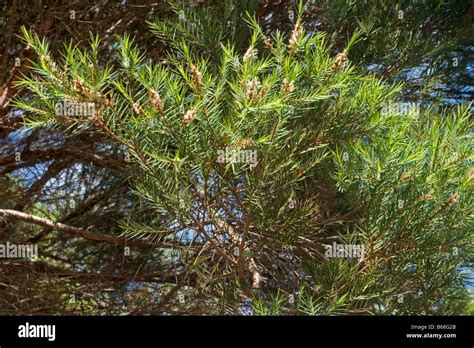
250, 165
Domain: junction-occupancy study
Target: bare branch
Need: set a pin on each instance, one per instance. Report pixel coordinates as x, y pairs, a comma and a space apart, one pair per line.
98, 237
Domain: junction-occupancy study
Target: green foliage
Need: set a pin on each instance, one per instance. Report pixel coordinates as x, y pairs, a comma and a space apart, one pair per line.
204, 29
330, 166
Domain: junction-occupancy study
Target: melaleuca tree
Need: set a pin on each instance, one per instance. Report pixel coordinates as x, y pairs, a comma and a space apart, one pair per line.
329, 166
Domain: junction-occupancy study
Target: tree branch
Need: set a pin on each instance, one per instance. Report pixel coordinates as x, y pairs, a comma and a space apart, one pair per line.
98, 237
